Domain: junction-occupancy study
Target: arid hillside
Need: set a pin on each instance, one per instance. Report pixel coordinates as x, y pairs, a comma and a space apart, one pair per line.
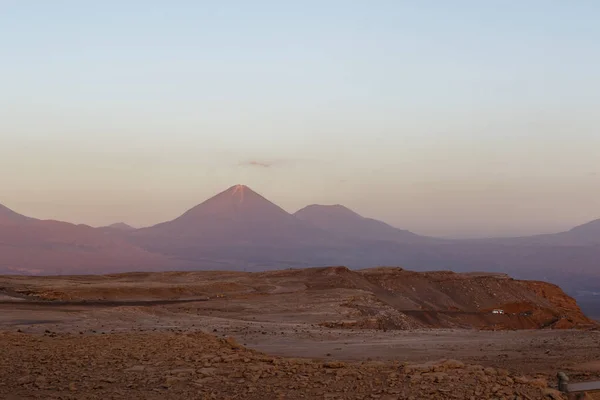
201, 366
380, 298
330, 332
50, 247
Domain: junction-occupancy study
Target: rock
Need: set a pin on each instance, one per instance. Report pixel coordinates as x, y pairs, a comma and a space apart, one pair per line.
412, 368
207, 371
232, 343
552, 394
538, 382
230, 358
521, 380
40, 382
24, 380
136, 368
171, 381
475, 367
334, 364
436, 377
182, 371
453, 364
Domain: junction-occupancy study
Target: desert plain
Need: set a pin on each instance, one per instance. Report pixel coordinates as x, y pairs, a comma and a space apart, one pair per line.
322, 333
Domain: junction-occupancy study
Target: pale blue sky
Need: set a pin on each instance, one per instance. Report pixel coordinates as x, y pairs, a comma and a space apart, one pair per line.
461, 118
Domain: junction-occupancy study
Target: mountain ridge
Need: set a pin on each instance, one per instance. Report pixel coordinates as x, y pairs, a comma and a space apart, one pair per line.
342, 220
236, 226
9, 216
591, 227
33, 246
241, 229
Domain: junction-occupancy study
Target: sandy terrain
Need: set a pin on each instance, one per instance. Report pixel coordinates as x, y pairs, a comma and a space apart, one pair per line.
527, 351
99, 339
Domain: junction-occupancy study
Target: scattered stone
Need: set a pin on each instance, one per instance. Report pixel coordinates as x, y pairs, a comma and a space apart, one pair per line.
173, 366
334, 364
552, 394
136, 368
207, 371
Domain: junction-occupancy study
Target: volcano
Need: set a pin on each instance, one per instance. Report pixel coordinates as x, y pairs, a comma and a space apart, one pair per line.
237, 216
343, 221
8, 216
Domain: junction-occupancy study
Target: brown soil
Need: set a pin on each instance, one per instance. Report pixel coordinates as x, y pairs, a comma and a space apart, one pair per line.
386, 298
200, 366
372, 321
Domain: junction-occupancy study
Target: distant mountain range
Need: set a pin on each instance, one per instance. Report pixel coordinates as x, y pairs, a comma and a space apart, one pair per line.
32, 246
239, 229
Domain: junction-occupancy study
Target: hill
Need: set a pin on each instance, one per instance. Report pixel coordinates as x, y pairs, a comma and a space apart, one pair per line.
587, 234
379, 298
31, 246
120, 226
343, 221
236, 227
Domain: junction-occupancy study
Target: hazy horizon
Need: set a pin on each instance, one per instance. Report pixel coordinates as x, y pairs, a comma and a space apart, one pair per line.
291, 211
467, 119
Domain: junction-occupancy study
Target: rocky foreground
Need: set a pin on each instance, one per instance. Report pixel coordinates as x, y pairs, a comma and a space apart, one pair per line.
201, 366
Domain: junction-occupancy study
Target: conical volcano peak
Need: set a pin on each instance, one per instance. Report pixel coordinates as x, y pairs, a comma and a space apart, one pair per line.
238, 215
239, 194
239, 191
233, 202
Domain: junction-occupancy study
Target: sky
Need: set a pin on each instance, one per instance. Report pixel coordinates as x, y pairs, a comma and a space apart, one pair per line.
455, 119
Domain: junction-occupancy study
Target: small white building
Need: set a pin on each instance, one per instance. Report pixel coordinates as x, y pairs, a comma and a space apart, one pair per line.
497, 311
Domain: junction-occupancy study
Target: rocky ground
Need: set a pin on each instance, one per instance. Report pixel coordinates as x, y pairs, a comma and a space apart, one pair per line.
379, 298
281, 335
202, 366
